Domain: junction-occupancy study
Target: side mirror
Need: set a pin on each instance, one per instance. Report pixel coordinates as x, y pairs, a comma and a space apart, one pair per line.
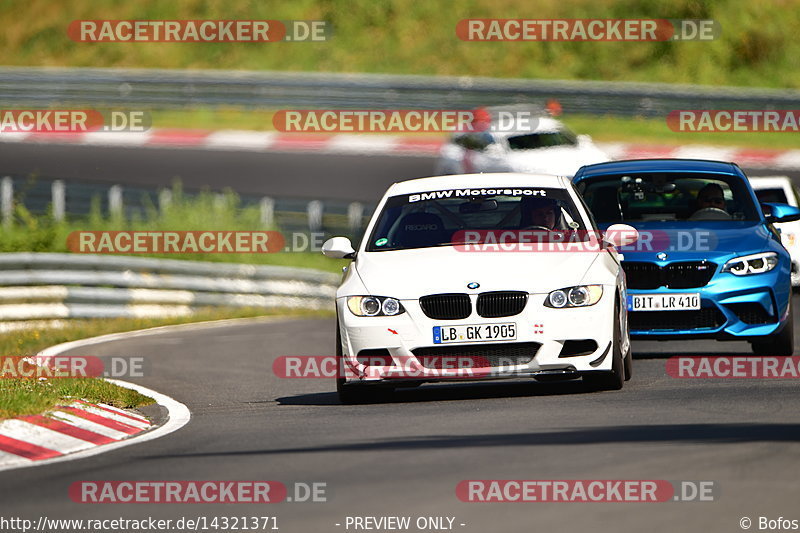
780, 212
338, 248
620, 235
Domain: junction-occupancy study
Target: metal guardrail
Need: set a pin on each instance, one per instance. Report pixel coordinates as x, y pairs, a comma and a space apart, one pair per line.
23, 86
50, 286
75, 198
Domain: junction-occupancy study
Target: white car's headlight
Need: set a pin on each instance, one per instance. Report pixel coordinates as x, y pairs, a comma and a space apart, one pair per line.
374, 306
580, 296
751, 264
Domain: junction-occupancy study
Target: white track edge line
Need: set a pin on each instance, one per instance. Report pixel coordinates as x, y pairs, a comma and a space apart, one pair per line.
60, 348
179, 416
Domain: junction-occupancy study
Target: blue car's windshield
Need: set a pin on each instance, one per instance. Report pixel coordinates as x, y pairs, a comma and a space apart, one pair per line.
668, 196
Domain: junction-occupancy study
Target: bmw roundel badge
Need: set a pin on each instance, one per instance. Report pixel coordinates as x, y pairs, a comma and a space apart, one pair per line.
473, 285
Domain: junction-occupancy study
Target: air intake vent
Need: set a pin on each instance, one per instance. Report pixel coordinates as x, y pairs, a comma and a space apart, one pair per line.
477, 355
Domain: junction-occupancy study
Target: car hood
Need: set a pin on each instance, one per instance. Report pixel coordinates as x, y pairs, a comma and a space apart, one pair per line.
409, 274
709, 240
558, 160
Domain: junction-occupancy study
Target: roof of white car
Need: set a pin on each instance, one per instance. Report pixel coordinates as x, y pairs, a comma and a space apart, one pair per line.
768, 182
509, 126
534, 125
486, 181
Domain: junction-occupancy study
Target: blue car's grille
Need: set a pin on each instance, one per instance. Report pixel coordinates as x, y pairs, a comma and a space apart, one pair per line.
681, 275
709, 318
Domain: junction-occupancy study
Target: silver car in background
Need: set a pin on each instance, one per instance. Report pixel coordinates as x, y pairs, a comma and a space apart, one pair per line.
518, 139
781, 189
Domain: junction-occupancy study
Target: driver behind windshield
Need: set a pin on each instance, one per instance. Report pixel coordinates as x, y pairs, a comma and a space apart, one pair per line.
539, 212
711, 196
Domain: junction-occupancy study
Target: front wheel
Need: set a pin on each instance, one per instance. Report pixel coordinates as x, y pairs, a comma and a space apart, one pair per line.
354, 394
614, 379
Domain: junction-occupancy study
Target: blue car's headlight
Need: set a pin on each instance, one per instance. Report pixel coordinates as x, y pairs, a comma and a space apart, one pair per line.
374, 306
581, 296
751, 264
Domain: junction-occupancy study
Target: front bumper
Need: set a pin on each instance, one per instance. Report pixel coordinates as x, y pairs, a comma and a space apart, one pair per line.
732, 308
548, 342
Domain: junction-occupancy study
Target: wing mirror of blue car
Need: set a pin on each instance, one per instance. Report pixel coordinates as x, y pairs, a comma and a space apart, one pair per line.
338, 248
619, 235
780, 212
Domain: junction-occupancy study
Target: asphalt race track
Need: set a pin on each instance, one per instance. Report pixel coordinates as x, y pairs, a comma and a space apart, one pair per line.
278, 174
406, 457
288, 174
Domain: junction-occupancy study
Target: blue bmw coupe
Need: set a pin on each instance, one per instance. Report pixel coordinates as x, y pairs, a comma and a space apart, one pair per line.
708, 263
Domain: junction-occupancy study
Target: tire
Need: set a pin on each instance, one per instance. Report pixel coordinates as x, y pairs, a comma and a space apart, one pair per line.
628, 366
614, 379
781, 343
628, 361
355, 394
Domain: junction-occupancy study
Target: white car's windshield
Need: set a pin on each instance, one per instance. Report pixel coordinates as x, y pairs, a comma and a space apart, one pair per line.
532, 141
668, 197
441, 218
771, 195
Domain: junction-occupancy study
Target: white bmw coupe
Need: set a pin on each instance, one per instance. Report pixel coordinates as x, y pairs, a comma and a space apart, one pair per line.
481, 276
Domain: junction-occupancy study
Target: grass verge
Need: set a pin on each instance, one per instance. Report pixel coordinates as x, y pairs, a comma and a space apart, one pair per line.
27, 396
756, 46
202, 212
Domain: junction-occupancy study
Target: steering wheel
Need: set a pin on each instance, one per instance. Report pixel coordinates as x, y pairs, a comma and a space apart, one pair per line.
710, 213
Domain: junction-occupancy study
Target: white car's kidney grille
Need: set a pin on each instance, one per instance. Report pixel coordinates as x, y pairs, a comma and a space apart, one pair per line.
453, 306
477, 355
501, 303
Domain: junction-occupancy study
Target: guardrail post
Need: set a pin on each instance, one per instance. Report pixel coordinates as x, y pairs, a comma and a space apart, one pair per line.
219, 201
115, 201
267, 206
164, 200
59, 195
314, 212
7, 200
355, 212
